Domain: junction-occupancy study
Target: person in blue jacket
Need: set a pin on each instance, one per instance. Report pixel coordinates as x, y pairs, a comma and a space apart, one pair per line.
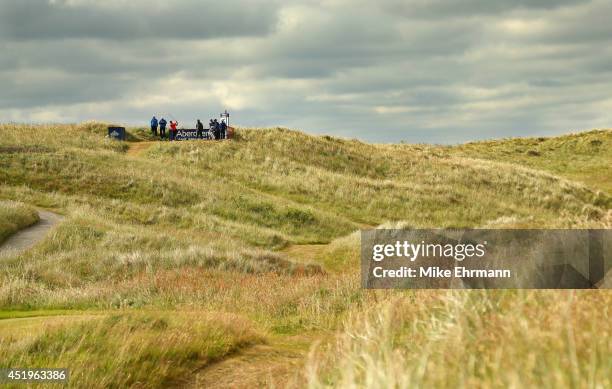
154, 126
162, 128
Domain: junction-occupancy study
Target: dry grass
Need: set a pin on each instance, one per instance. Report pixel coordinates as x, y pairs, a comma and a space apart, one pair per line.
131, 349
582, 157
483, 339
200, 226
14, 216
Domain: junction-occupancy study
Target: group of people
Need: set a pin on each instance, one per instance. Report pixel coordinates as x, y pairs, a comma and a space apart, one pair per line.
162, 128
217, 129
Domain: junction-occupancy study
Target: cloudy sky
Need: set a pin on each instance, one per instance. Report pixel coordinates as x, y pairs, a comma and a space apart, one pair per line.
439, 71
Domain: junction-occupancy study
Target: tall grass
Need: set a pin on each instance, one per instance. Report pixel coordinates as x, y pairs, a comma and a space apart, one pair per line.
583, 157
477, 338
14, 216
152, 349
200, 226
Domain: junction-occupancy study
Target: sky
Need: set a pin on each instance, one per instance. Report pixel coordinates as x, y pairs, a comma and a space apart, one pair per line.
426, 71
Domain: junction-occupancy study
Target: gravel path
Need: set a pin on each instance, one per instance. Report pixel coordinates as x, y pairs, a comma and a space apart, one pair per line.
28, 237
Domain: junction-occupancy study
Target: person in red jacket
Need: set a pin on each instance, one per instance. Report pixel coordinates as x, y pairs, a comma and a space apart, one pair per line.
173, 130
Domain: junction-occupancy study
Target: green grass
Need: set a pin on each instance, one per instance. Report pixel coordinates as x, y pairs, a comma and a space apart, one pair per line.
128, 349
17, 314
15, 216
583, 157
206, 226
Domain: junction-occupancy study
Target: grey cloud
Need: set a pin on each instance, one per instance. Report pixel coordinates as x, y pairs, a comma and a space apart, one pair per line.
412, 70
46, 20
436, 9
22, 90
588, 24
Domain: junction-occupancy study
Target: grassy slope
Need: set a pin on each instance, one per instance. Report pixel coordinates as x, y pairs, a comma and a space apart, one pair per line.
14, 216
480, 338
196, 225
125, 349
584, 157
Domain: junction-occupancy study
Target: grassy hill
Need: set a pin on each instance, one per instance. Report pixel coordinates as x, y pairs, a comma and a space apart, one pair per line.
583, 157
215, 229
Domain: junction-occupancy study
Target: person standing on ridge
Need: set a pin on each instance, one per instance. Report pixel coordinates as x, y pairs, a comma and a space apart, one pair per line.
211, 129
200, 128
162, 129
173, 130
154, 126
223, 127
217, 129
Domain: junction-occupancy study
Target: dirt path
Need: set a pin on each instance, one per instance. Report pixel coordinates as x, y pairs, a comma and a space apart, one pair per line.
277, 364
137, 148
28, 237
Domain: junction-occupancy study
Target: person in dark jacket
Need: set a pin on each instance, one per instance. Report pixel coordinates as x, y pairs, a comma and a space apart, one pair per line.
200, 128
223, 128
162, 128
217, 129
154, 126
